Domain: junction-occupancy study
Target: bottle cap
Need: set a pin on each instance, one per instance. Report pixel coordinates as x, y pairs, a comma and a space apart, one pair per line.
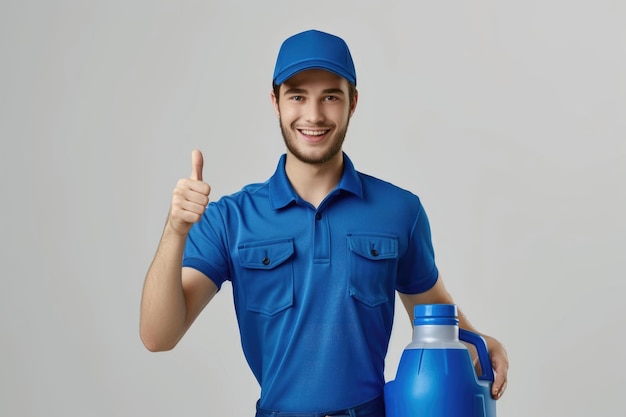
435, 314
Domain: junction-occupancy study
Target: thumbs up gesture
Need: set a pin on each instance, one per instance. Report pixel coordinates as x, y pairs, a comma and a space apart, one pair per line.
190, 197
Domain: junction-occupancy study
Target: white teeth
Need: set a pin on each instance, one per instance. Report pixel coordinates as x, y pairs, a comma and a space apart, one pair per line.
314, 132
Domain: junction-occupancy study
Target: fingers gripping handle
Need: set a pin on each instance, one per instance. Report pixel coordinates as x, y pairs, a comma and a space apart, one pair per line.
483, 353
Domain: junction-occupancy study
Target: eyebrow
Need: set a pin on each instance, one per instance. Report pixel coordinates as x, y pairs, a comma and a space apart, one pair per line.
296, 90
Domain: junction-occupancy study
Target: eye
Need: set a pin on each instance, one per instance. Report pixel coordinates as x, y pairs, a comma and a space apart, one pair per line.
331, 98
296, 98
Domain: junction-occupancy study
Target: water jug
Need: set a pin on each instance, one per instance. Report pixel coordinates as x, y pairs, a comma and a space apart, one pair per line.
436, 376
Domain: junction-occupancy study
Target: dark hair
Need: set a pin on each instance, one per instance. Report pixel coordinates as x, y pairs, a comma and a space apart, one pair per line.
351, 92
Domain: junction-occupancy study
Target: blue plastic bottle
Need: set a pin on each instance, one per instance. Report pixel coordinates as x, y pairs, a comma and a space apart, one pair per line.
436, 377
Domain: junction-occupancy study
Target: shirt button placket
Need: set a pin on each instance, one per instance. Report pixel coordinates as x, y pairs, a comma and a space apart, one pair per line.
321, 239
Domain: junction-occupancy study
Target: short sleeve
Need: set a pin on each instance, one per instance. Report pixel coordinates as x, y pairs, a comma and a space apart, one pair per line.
206, 249
417, 269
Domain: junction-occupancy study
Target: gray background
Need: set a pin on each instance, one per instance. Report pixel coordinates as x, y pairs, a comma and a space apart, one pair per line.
506, 117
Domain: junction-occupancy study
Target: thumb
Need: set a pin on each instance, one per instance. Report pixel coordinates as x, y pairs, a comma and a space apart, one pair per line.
197, 161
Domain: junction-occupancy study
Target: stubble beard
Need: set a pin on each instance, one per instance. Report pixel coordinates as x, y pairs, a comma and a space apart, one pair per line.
334, 149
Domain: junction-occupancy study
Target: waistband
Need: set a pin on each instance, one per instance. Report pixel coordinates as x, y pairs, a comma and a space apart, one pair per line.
372, 408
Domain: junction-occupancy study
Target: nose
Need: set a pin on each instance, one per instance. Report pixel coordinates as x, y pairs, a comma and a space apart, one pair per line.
314, 112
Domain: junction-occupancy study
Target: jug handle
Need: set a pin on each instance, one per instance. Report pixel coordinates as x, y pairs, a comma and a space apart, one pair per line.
483, 354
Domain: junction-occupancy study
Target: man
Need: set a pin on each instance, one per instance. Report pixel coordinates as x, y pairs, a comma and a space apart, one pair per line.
314, 254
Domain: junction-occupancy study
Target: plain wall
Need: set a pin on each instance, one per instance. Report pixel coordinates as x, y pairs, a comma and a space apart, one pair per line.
506, 118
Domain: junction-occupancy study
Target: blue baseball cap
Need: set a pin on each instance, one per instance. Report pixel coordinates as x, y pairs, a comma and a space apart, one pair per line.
314, 50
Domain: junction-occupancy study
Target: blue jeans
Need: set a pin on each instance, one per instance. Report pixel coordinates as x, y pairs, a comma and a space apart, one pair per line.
372, 408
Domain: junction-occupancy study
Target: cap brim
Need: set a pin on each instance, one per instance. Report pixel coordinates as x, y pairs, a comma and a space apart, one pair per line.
294, 69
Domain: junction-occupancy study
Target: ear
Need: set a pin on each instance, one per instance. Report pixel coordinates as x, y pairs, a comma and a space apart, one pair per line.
275, 104
353, 106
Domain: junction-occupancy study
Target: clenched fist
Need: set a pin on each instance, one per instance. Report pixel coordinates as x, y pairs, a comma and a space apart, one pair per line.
190, 197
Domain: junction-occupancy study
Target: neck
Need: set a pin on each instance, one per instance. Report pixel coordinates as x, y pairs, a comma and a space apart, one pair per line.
313, 182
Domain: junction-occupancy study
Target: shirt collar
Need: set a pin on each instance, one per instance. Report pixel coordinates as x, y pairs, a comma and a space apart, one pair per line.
282, 194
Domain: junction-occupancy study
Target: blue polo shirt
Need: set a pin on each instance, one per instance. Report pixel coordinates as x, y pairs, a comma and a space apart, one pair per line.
314, 288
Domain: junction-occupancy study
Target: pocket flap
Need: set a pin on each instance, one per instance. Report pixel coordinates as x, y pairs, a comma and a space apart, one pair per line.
374, 247
265, 254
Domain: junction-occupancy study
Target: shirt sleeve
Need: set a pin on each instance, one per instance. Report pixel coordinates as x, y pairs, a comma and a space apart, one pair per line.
417, 269
206, 249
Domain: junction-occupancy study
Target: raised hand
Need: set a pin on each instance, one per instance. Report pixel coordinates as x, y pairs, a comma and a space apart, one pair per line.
190, 197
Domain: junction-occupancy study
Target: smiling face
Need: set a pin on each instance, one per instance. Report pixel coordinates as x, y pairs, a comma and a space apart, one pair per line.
314, 109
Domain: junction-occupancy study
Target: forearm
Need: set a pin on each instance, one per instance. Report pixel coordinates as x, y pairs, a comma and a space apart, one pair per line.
163, 307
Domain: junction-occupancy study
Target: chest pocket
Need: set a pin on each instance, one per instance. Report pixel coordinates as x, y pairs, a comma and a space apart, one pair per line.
267, 275
373, 262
